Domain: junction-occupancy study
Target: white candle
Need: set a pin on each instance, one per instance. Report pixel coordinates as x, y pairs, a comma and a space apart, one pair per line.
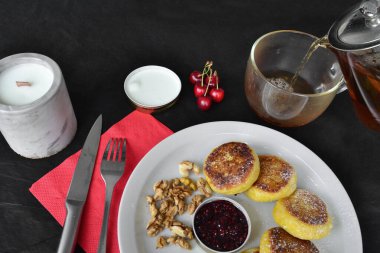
36, 116
39, 77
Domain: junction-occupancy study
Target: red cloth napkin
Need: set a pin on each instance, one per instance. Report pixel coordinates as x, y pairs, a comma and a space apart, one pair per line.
142, 131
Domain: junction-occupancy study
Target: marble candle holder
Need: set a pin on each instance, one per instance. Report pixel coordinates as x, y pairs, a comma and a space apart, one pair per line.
45, 125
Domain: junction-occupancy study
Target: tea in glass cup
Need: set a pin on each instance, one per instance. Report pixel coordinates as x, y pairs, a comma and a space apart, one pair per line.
275, 93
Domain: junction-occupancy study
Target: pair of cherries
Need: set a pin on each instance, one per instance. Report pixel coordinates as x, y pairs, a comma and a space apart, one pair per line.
206, 86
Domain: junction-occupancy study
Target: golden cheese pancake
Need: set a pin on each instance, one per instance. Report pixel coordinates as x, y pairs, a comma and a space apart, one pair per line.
255, 250
277, 180
231, 168
303, 215
277, 240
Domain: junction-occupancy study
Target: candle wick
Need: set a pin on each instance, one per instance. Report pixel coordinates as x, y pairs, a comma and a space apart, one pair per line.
22, 83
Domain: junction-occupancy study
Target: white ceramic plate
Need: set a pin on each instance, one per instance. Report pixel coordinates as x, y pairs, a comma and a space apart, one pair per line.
194, 144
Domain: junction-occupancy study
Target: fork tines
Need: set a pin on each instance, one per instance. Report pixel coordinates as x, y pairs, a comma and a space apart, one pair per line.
116, 150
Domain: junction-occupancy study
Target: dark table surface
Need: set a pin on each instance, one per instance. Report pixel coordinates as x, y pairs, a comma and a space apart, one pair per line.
97, 43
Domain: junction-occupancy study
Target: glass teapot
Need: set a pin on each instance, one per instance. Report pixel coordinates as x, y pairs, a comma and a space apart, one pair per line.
355, 39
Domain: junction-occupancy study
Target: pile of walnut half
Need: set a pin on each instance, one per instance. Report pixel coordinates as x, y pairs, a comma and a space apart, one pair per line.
170, 199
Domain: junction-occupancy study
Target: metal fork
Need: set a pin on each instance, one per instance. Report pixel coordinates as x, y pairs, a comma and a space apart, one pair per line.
112, 169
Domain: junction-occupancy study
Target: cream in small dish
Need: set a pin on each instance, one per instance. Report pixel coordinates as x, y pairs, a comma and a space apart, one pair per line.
152, 88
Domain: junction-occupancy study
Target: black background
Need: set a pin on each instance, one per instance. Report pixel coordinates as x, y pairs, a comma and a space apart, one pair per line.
97, 43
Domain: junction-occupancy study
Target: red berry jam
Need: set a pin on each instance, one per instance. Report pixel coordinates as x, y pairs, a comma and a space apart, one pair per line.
221, 226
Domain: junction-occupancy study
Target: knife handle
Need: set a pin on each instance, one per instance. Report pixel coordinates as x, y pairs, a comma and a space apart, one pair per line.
70, 229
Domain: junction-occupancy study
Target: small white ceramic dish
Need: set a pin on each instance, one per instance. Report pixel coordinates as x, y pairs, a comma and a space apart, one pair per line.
152, 87
238, 206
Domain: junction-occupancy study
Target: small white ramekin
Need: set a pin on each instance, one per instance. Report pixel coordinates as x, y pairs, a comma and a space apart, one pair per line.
238, 206
160, 95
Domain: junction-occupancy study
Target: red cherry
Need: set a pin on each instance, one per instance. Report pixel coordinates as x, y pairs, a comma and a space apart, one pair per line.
195, 77
204, 103
217, 95
199, 90
213, 79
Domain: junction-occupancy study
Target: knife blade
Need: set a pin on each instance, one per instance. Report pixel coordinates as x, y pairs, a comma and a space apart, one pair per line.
76, 197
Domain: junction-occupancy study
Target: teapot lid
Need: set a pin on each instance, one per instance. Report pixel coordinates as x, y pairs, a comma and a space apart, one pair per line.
357, 29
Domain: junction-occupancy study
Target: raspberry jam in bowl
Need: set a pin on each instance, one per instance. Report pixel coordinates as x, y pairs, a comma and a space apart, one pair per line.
221, 225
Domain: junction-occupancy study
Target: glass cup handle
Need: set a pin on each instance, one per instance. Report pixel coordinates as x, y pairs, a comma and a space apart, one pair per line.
342, 86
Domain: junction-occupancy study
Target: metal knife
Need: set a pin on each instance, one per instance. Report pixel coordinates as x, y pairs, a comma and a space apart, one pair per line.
76, 197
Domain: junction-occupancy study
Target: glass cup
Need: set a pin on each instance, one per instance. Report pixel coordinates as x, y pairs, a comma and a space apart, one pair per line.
278, 55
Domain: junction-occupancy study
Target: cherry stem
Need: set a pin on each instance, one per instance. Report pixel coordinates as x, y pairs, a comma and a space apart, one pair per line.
206, 70
208, 85
216, 80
